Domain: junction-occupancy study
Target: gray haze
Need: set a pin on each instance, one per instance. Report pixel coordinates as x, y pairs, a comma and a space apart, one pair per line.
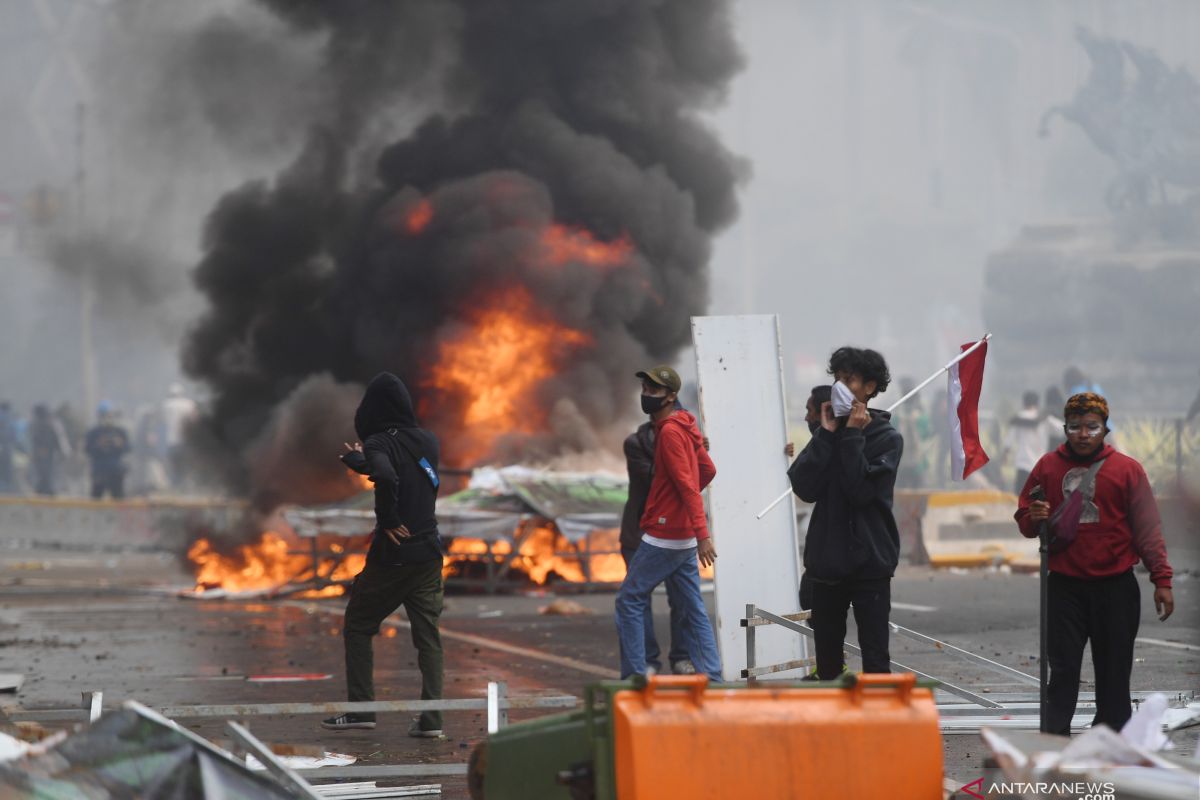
894, 151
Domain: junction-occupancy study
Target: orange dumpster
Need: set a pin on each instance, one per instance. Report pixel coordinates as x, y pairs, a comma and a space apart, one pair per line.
876, 738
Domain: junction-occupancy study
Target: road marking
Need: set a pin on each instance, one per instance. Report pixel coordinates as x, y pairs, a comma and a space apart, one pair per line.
495, 644
913, 607
1176, 645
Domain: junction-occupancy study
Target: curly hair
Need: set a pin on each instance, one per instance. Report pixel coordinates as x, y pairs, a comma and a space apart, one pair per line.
867, 364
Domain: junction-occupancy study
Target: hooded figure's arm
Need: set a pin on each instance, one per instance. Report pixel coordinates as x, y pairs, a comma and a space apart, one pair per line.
356, 461
866, 480
809, 473
383, 475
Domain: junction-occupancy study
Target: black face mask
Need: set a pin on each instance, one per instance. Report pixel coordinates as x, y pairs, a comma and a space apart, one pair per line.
652, 404
812, 426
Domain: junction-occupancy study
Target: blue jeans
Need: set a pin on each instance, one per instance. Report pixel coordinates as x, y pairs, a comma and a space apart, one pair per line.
679, 568
653, 652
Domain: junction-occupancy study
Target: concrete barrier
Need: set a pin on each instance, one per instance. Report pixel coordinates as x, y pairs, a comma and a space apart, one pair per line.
158, 524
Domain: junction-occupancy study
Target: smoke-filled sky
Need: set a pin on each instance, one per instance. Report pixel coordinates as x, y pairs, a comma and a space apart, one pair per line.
851, 166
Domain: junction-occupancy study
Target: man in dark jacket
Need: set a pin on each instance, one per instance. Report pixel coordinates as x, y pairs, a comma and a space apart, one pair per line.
639, 461
848, 470
106, 446
48, 448
404, 562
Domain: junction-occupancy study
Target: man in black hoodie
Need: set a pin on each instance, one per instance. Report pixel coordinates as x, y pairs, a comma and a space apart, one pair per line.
404, 562
848, 471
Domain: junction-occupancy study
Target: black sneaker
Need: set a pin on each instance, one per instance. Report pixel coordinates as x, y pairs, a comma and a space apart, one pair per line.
417, 732
349, 722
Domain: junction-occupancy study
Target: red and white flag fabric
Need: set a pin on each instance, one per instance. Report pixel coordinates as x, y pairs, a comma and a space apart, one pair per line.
966, 381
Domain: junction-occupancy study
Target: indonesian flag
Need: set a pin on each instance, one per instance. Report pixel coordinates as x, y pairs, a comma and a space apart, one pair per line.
966, 380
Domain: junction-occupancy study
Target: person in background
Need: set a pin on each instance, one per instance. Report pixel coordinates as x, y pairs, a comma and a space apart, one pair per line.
912, 420
178, 411
9, 445
107, 445
48, 449
1052, 401
1025, 439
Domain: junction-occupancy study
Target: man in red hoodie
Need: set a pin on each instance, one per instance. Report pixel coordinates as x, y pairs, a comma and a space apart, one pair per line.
674, 532
1092, 592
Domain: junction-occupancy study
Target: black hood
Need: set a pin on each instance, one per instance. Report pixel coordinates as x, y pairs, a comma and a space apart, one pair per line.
386, 404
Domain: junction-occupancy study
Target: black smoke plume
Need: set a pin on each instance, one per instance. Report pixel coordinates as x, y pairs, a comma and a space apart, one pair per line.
584, 113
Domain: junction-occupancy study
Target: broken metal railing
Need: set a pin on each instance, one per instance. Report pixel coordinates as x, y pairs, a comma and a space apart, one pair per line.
754, 619
786, 621
497, 703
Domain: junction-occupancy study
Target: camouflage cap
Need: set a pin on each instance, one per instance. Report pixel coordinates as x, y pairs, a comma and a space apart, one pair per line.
1084, 403
664, 376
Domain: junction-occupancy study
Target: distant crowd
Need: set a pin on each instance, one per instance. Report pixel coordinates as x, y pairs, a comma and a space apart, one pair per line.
56, 451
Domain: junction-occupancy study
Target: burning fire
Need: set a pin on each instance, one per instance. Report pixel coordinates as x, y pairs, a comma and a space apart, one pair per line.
562, 244
494, 368
419, 217
269, 563
544, 552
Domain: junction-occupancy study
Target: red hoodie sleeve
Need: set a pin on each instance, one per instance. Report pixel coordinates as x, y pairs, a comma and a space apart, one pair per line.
1146, 525
679, 454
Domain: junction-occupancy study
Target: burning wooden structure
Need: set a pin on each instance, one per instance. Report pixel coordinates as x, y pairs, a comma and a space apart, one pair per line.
514, 527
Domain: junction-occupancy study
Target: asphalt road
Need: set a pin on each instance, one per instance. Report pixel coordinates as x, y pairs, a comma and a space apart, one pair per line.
79, 622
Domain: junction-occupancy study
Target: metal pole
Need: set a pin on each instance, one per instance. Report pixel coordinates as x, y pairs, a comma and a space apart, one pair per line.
87, 357
1039, 494
497, 710
751, 659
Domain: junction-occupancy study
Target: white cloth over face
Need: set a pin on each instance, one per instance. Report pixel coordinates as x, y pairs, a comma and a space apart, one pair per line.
841, 398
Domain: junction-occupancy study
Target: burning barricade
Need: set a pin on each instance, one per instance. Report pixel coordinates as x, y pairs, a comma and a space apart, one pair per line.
514, 527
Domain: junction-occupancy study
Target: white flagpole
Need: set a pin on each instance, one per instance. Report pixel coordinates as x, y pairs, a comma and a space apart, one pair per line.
893, 406
946, 368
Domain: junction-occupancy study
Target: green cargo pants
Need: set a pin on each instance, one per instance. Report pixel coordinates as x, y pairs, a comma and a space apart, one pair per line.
377, 592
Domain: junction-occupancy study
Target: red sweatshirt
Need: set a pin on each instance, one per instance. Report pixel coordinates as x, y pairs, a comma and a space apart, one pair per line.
1119, 526
682, 468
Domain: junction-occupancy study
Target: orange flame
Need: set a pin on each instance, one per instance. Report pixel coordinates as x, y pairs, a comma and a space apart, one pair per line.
419, 217
543, 552
268, 563
562, 244
493, 369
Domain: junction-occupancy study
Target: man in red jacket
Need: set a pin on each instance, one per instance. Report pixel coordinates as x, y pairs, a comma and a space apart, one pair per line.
1092, 592
674, 532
